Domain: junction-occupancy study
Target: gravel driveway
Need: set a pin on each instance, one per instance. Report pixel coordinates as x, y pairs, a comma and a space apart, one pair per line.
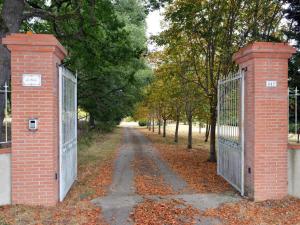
122, 197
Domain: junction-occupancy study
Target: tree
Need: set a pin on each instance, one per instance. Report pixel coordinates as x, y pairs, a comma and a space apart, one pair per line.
293, 33
210, 31
106, 43
170, 94
105, 39
167, 93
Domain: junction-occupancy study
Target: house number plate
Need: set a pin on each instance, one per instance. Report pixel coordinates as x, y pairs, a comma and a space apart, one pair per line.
32, 80
271, 83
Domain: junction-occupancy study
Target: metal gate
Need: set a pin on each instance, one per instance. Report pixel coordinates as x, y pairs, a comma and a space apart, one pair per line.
231, 130
68, 130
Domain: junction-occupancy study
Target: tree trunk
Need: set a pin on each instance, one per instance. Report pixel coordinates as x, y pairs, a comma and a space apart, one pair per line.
164, 128
177, 128
149, 124
10, 22
153, 124
213, 121
190, 134
207, 131
92, 123
200, 127
159, 126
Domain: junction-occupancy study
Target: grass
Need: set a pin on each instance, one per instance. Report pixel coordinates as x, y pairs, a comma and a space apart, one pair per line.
95, 150
96, 147
96, 153
198, 138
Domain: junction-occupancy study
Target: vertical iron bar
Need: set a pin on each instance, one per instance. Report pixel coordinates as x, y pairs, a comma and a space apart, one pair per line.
5, 113
242, 130
288, 113
235, 111
221, 109
296, 110
227, 109
61, 187
224, 110
76, 124
231, 109
218, 138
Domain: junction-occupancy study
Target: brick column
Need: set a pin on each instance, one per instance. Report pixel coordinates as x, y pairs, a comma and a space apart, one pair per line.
34, 153
266, 118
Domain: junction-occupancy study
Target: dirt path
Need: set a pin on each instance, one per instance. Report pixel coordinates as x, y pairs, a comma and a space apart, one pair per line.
139, 159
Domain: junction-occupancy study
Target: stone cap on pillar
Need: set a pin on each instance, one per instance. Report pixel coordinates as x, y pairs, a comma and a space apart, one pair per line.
264, 50
34, 43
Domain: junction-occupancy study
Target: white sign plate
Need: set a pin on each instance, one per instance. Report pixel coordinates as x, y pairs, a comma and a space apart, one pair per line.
271, 83
32, 80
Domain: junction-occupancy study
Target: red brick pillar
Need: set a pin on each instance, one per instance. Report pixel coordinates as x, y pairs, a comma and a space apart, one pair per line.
266, 118
34, 74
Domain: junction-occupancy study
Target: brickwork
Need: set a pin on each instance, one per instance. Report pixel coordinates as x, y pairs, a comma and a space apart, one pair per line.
35, 154
266, 119
5, 151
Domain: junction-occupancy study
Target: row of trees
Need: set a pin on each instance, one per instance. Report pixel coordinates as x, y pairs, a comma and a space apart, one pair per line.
198, 45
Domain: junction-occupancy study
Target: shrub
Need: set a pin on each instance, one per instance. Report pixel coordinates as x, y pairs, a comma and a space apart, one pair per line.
143, 123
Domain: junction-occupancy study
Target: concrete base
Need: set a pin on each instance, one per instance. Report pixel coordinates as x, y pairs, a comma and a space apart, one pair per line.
5, 179
294, 172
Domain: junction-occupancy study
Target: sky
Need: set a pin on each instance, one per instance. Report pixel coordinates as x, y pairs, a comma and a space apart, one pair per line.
154, 26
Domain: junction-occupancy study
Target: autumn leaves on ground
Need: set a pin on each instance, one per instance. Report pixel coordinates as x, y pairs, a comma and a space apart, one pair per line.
97, 154
95, 165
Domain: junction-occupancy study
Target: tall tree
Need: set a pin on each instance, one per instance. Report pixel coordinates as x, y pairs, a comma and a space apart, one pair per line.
210, 31
106, 42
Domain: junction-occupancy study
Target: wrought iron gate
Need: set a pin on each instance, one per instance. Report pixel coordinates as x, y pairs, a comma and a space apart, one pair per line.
231, 130
68, 130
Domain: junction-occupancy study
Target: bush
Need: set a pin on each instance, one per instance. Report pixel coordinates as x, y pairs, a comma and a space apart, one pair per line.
143, 123
292, 127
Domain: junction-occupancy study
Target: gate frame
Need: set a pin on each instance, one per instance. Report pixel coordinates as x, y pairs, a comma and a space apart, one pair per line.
73, 78
239, 75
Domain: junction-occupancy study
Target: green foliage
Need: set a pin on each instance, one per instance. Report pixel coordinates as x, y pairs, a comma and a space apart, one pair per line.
293, 16
292, 127
106, 126
143, 123
155, 4
106, 42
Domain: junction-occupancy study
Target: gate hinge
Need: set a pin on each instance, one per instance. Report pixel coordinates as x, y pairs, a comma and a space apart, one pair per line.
56, 176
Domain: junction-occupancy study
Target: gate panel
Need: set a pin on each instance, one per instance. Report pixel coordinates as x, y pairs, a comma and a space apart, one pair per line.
68, 130
231, 131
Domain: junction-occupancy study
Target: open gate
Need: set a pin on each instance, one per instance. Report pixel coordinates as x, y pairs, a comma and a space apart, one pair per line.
231, 130
68, 130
